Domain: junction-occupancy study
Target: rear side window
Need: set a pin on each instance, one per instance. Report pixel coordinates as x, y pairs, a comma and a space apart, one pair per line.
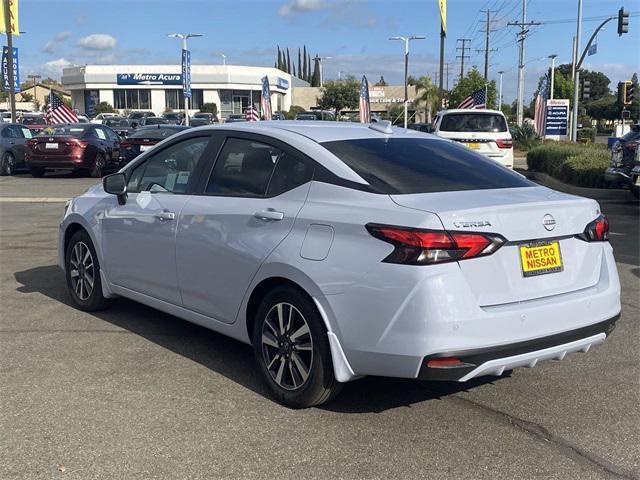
422, 165
473, 122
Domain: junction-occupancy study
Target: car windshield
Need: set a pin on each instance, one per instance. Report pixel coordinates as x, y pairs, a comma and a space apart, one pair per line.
139, 114
116, 122
422, 165
154, 133
202, 115
76, 131
33, 121
633, 134
172, 116
155, 121
473, 122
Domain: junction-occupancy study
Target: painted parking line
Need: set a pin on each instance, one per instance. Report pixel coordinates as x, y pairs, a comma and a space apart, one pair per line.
34, 199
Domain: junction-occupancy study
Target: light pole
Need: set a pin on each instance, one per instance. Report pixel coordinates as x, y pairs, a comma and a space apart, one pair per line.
319, 60
224, 58
553, 73
576, 77
406, 41
500, 90
184, 37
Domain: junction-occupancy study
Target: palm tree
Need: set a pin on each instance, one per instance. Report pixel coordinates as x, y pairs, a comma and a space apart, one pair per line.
427, 93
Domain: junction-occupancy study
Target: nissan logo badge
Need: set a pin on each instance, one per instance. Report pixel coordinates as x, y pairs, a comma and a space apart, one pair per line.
549, 222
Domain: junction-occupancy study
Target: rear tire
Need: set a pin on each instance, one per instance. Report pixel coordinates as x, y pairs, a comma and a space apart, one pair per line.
6, 164
292, 349
98, 166
82, 271
37, 172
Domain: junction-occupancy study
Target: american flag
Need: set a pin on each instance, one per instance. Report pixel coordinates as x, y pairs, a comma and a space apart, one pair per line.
58, 112
251, 114
540, 108
365, 109
477, 99
265, 99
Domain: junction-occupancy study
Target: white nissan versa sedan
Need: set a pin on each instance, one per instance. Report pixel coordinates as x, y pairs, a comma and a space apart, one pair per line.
343, 250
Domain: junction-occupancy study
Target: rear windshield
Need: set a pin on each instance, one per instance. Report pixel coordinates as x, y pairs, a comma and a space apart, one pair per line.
422, 165
473, 122
632, 134
33, 121
155, 121
76, 131
154, 133
116, 122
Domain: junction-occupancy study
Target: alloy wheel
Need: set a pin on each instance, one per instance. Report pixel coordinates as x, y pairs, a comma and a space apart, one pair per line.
7, 164
287, 346
82, 270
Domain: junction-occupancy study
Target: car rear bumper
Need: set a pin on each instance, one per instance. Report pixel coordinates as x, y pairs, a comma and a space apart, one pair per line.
61, 163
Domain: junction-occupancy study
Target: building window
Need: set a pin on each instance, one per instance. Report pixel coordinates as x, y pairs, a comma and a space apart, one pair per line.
174, 99
128, 99
196, 99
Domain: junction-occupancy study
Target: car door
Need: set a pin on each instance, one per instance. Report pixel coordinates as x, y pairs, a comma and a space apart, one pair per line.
247, 207
13, 141
139, 236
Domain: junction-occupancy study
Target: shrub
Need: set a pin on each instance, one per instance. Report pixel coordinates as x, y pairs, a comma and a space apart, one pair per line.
579, 164
587, 135
209, 108
293, 111
525, 137
103, 107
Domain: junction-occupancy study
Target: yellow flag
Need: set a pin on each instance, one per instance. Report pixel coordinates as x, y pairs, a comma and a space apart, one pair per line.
443, 15
13, 17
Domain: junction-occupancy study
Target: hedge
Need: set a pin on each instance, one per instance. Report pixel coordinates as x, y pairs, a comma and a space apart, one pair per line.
581, 165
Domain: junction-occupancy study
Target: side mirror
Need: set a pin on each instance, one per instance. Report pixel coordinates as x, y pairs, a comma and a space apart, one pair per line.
116, 184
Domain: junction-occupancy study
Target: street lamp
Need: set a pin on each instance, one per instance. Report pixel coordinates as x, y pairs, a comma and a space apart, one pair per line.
553, 72
184, 37
500, 91
406, 41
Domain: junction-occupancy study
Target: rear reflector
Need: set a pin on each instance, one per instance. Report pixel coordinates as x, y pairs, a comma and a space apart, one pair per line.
424, 247
445, 362
504, 143
596, 231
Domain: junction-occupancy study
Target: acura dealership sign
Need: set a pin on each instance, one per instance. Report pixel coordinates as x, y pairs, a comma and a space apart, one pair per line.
149, 78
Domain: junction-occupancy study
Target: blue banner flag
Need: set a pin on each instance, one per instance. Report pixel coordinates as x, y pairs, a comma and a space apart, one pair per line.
5, 70
186, 73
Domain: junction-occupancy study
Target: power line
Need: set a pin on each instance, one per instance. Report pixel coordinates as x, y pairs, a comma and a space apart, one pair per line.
462, 56
486, 48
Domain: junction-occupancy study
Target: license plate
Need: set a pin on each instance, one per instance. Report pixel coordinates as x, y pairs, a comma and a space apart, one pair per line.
540, 259
474, 145
144, 148
51, 146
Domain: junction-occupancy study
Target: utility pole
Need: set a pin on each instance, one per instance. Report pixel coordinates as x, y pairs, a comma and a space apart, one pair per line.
521, 38
486, 48
462, 56
447, 67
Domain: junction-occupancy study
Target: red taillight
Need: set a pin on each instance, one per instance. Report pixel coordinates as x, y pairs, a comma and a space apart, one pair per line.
504, 143
77, 143
424, 247
445, 362
125, 144
596, 231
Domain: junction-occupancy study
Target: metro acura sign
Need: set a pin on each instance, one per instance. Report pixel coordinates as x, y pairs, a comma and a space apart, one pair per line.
149, 78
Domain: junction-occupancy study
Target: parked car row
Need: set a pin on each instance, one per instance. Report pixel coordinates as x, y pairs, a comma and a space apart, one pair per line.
625, 162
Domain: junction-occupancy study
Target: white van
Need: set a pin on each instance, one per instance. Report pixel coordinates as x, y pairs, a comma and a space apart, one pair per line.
485, 131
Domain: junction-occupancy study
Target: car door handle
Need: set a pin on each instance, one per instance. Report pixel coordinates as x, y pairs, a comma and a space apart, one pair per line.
165, 215
269, 215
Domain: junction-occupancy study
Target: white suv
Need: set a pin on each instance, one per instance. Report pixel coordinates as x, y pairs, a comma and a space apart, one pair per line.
485, 131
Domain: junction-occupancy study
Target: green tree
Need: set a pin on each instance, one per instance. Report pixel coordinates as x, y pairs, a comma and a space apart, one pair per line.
299, 64
604, 108
305, 66
103, 107
315, 78
209, 108
340, 94
472, 82
288, 61
293, 111
427, 95
26, 97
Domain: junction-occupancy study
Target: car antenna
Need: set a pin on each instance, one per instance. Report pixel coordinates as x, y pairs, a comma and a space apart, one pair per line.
382, 126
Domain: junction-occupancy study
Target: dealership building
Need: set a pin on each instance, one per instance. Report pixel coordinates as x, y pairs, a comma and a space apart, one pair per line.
159, 87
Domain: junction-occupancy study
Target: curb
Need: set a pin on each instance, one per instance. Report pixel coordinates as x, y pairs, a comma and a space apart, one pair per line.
615, 194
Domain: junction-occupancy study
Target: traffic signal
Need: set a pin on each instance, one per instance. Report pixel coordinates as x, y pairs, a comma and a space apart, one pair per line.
586, 89
629, 93
623, 21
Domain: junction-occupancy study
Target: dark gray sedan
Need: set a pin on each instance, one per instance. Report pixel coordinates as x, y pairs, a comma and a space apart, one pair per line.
12, 139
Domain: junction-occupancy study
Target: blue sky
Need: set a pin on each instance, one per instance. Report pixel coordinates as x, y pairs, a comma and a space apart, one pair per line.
354, 32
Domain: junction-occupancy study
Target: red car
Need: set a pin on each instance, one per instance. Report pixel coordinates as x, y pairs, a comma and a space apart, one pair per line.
35, 123
76, 147
143, 138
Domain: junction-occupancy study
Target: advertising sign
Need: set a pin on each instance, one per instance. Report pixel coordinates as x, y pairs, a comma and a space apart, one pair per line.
91, 99
376, 92
5, 70
557, 119
282, 83
186, 73
149, 78
13, 17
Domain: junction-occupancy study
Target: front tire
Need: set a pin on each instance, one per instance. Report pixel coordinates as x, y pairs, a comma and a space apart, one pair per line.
98, 166
6, 164
292, 349
82, 271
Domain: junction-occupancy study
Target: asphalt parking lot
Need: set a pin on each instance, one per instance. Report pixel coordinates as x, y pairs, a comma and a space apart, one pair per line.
134, 393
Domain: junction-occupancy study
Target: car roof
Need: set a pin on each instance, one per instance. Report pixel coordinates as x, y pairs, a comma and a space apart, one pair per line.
470, 110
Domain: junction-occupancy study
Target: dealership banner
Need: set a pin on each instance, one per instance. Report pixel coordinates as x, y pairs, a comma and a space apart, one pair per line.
5, 70
13, 17
149, 79
557, 119
186, 72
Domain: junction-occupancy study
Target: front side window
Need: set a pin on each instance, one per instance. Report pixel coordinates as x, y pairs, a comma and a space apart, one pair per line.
11, 132
243, 168
473, 122
169, 170
422, 165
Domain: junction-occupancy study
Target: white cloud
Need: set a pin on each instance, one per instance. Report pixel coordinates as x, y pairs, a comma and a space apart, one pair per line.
98, 41
300, 6
54, 67
55, 42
